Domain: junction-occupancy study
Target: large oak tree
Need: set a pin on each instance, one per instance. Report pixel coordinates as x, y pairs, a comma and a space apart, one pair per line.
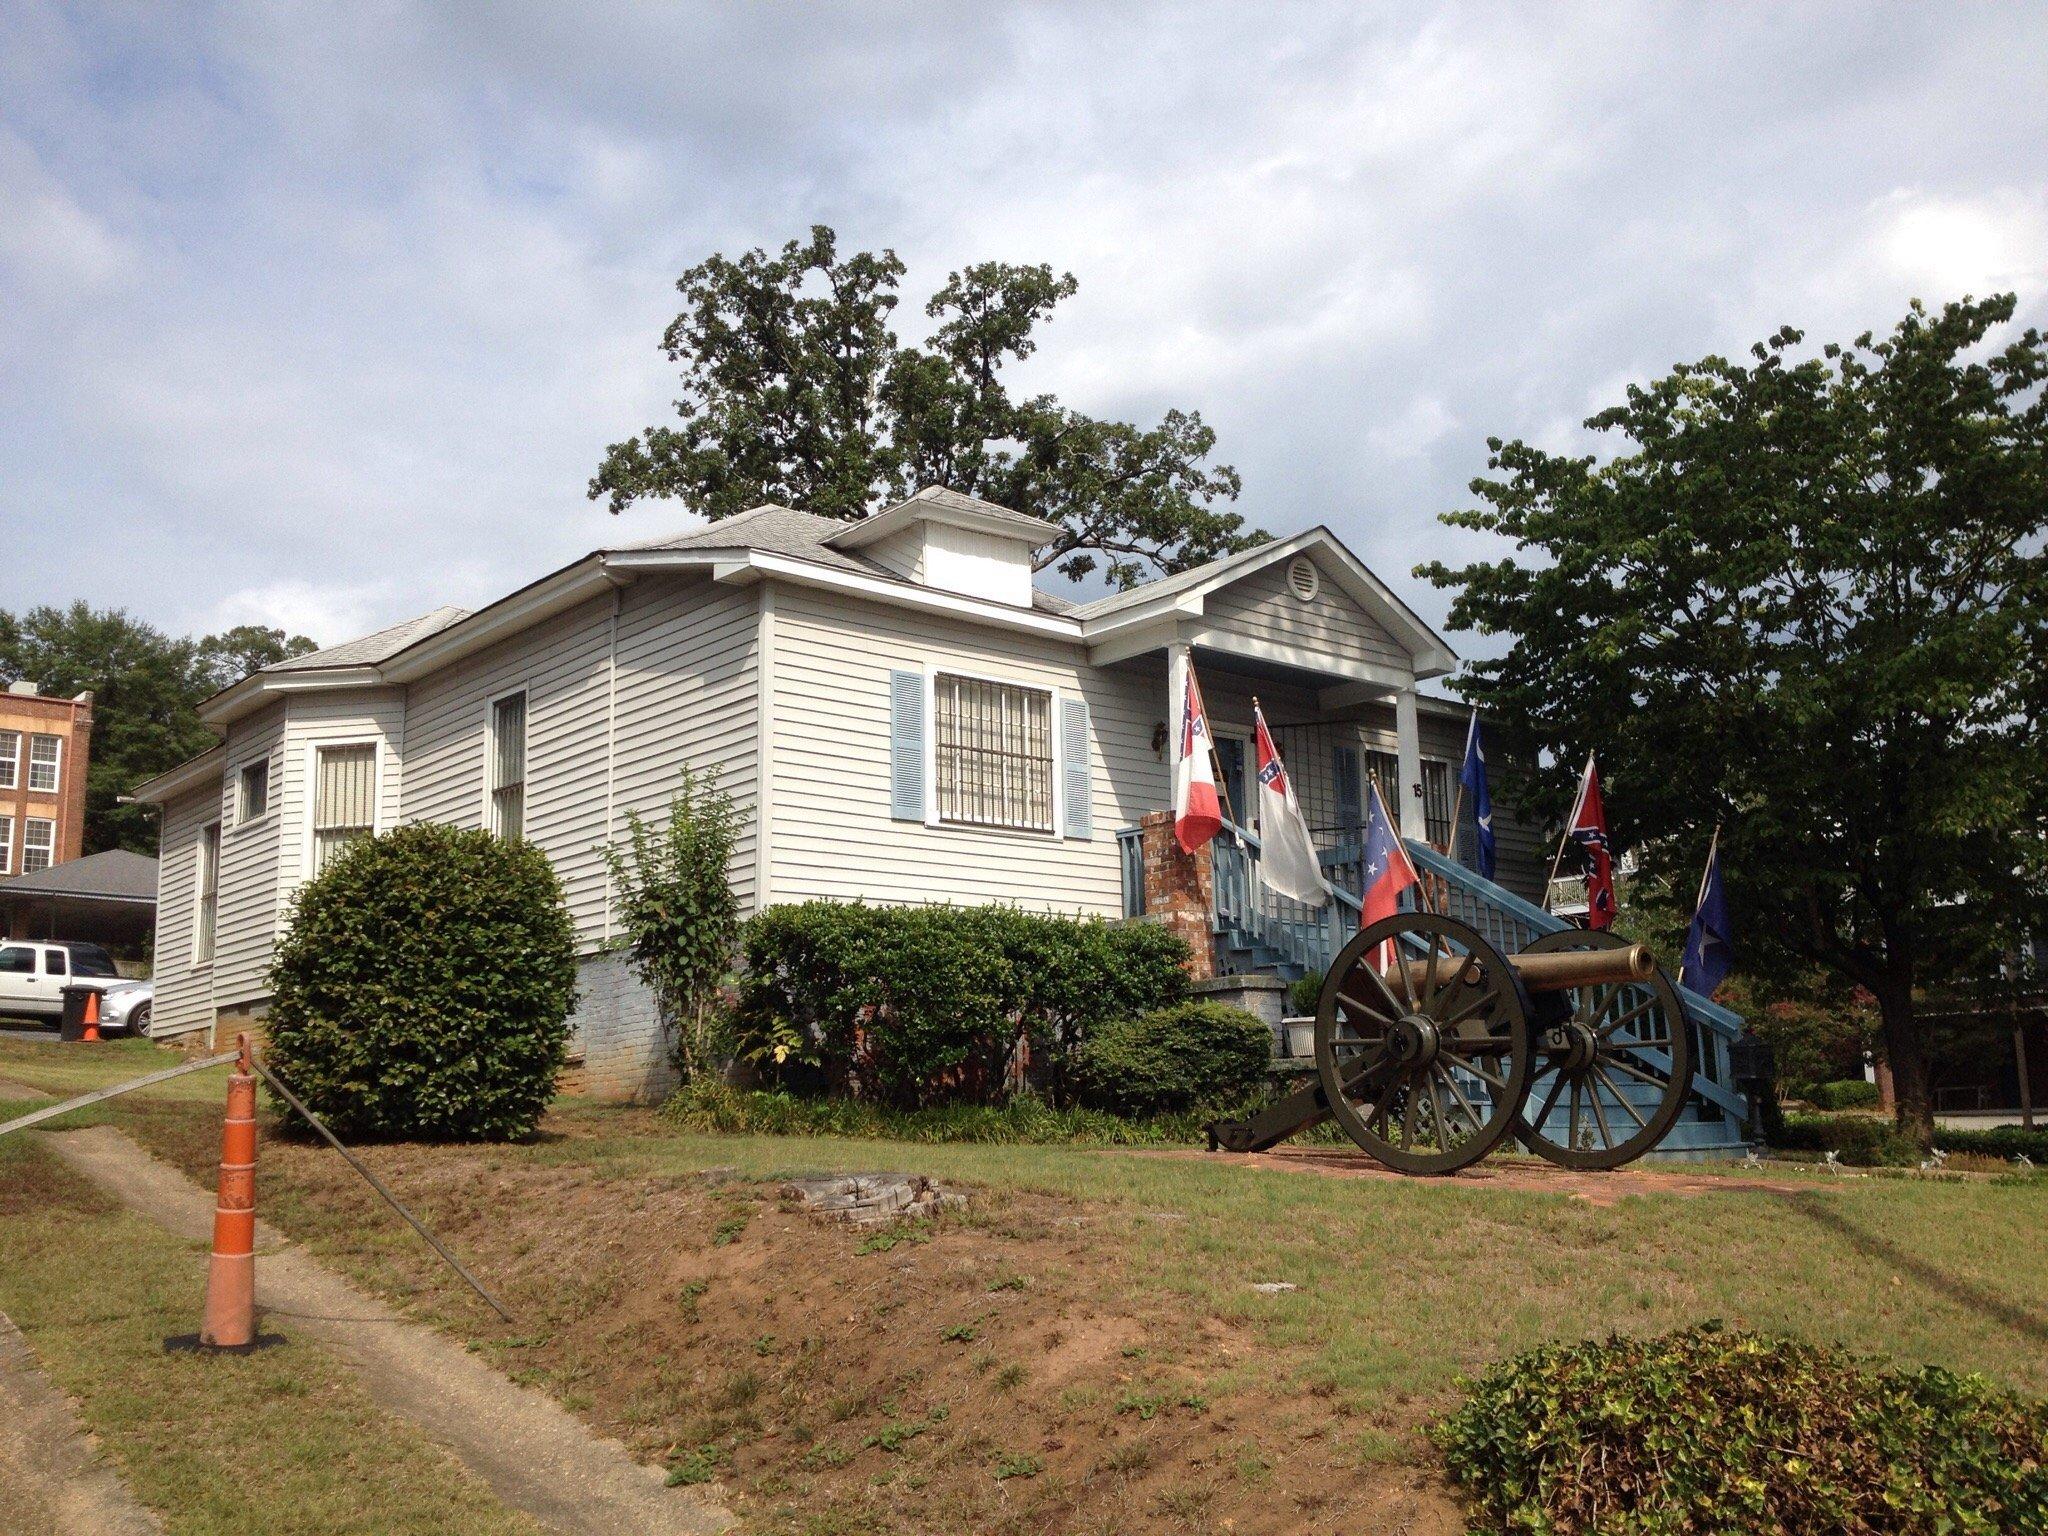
796, 390
1806, 600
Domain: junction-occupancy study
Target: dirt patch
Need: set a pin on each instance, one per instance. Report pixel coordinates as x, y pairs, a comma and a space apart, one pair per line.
989, 1371
50, 1469
1528, 1177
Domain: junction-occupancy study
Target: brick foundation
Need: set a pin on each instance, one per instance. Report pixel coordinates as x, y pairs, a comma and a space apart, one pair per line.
1177, 891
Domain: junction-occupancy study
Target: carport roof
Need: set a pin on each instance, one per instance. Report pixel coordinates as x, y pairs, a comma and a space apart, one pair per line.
116, 875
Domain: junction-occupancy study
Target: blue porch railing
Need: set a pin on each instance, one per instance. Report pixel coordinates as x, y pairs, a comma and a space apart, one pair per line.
1257, 930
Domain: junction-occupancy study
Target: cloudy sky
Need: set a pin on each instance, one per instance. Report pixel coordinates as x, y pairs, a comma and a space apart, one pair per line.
322, 315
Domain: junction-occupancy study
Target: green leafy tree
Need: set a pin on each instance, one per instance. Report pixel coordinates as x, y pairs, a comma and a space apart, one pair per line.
146, 689
1807, 601
677, 905
796, 390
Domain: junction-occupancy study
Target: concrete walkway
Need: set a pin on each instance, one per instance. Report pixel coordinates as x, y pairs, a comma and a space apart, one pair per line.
533, 1453
50, 1473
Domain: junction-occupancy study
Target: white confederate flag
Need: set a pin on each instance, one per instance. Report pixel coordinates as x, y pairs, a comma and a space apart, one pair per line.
1288, 862
1197, 815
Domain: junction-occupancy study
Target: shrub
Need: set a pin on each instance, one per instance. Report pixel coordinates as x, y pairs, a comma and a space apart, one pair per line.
1303, 995
1849, 1093
920, 1005
1175, 1059
678, 907
1708, 1430
1863, 1140
2006, 1141
424, 987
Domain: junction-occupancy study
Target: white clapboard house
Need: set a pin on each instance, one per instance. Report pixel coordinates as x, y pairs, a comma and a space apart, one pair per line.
905, 716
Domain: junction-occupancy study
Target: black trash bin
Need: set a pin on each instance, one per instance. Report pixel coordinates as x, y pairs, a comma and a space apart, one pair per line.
73, 1025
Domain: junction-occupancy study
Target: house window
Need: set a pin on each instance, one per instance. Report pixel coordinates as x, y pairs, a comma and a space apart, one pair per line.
992, 754
206, 910
508, 766
344, 799
1385, 769
10, 759
6, 845
38, 844
1436, 793
252, 790
45, 753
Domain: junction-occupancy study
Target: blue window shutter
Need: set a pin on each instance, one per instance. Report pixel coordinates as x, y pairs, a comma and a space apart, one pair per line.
1076, 789
906, 746
1350, 791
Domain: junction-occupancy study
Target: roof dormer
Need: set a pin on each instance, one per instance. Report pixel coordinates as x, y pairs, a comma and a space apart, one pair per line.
953, 543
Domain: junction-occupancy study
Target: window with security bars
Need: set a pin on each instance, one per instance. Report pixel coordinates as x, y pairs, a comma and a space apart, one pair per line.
206, 910
38, 844
10, 759
45, 756
992, 754
344, 799
508, 766
1436, 792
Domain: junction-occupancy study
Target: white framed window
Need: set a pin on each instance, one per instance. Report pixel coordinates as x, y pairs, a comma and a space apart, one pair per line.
344, 799
45, 763
252, 790
6, 845
1438, 782
10, 759
206, 905
508, 766
38, 844
992, 753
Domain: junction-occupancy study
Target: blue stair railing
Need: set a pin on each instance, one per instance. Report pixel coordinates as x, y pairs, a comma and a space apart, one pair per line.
1258, 930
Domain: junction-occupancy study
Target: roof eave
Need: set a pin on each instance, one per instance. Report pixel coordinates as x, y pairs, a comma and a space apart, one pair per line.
176, 781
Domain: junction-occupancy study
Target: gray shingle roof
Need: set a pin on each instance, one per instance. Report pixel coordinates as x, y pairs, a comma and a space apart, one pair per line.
368, 650
800, 535
117, 873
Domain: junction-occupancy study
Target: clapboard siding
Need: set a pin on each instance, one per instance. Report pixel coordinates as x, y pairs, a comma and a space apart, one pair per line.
831, 833
184, 995
1521, 857
688, 668
249, 863
1261, 607
315, 720
562, 665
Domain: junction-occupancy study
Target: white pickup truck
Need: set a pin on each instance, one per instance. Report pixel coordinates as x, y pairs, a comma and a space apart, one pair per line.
33, 977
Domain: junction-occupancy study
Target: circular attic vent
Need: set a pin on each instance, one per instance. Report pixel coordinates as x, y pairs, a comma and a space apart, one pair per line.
1302, 578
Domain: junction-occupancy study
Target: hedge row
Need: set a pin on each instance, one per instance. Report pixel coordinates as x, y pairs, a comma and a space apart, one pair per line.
921, 1005
1849, 1093
1868, 1141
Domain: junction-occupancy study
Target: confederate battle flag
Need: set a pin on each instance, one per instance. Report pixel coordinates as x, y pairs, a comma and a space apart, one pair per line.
1588, 828
1197, 815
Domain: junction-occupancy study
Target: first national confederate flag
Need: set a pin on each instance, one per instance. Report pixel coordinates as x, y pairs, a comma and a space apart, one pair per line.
1588, 828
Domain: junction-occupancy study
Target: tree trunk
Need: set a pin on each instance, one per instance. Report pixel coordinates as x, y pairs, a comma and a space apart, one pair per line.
1905, 1050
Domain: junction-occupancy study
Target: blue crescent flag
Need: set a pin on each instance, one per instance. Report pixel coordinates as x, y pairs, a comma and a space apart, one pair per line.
1709, 952
1473, 777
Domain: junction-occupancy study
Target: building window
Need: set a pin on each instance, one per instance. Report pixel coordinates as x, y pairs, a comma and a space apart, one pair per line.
38, 844
1437, 785
206, 911
6, 845
344, 799
45, 755
992, 754
252, 790
508, 766
10, 759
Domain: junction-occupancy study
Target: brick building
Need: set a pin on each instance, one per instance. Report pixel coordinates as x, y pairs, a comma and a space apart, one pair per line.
45, 744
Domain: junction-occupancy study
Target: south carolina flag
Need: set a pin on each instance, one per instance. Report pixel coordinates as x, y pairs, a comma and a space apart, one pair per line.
1288, 862
1197, 815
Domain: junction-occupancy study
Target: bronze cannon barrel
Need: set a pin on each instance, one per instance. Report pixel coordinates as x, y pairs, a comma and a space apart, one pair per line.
1557, 969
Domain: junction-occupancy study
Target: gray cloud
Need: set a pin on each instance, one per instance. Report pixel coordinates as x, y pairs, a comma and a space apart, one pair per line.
323, 316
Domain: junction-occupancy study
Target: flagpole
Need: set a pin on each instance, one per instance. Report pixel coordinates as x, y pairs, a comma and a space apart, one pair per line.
1706, 869
1386, 810
1577, 801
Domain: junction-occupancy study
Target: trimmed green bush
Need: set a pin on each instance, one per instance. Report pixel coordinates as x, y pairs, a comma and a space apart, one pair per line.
1305, 994
1707, 1430
1179, 1058
1849, 1093
2006, 1141
1864, 1140
926, 1005
424, 987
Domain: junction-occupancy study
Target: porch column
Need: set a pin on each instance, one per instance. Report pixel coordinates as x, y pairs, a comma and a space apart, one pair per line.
1408, 748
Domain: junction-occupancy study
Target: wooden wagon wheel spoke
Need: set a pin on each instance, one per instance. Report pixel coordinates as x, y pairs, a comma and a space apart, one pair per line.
1480, 1072
1621, 1098
1371, 974
1484, 1000
1543, 1115
1346, 1000
1436, 1107
1637, 1072
1451, 1082
1606, 1030
1599, 1113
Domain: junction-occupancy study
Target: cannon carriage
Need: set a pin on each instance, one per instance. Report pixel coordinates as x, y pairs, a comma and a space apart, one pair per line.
1433, 1047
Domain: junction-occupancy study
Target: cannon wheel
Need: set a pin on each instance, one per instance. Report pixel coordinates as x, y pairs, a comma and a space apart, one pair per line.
1425, 1068
1621, 1040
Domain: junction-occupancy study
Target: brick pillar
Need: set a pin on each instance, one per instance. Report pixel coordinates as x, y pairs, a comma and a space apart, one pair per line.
1177, 891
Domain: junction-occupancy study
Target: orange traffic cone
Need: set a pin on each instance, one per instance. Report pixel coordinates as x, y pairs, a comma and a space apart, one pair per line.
230, 1321
92, 1016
